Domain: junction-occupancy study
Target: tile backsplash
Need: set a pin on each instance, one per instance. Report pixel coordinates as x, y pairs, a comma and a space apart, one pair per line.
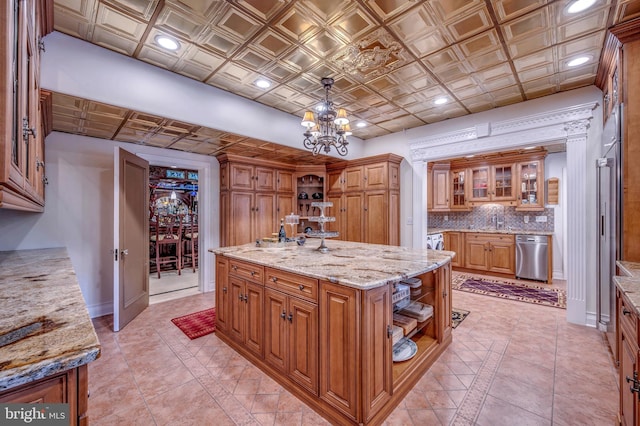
492, 216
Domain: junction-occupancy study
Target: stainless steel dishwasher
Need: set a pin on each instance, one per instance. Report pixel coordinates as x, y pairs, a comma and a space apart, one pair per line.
532, 257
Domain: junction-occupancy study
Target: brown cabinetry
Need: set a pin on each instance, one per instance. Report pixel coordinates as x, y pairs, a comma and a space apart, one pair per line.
222, 293
490, 252
628, 354
458, 190
246, 316
70, 387
21, 110
440, 187
310, 188
454, 241
531, 185
493, 183
366, 199
253, 198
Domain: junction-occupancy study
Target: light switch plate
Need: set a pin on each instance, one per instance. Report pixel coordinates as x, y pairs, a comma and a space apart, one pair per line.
526, 219
541, 218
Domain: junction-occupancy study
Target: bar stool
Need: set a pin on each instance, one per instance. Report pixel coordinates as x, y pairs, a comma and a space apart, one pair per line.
190, 237
168, 242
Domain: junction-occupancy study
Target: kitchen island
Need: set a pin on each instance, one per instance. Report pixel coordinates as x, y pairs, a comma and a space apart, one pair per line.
321, 324
46, 336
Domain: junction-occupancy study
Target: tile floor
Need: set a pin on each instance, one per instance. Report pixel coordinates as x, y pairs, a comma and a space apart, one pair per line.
510, 363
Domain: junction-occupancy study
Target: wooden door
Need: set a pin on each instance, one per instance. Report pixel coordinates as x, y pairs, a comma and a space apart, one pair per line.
457, 188
131, 237
265, 179
503, 185
226, 220
376, 217
354, 222
284, 181
440, 190
285, 205
394, 218
236, 323
394, 176
377, 364
241, 218
337, 211
475, 254
275, 326
302, 342
502, 257
480, 180
376, 176
453, 242
241, 177
254, 332
354, 178
222, 293
264, 216
628, 366
444, 307
339, 347
335, 180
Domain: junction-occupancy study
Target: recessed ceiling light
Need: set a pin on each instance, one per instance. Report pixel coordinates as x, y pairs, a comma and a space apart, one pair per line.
167, 42
174, 167
529, 147
361, 124
580, 5
578, 61
469, 156
440, 101
263, 84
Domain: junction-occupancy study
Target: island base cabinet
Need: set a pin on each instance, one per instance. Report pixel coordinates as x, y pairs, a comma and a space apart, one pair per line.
291, 338
628, 354
339, 347
222, 293
246, 314
70, 387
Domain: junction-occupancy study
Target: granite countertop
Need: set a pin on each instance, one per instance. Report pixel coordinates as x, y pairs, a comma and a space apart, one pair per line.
356, 265
44, 323
629, 283
488, 231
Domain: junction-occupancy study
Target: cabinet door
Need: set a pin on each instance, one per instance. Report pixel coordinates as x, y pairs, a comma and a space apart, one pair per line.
354, 178
480, 183
457, 187
376, 217
337, 211
502, 257
284, 181
394, 176
453, 241
241, 216
50, 390
354, 226
440, 190
394, 218
376, 176
254, 331
335, 180
224, 176
302, 342
285, 205
275, 342
264, 216
628, 359
444, 311
339, 347
265, 179
222, 293
236, 324
475, 253
531, 181
225, 219
377, 362
241, 177
503, 183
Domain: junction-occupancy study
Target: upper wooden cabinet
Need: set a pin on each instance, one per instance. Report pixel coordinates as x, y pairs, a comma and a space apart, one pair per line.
21, 108
510, 179
365, 174
247, 177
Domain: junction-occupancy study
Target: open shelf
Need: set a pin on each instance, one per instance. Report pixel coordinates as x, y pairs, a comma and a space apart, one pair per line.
425, 344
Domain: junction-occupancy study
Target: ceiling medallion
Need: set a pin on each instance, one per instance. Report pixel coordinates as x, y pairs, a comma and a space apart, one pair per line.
373, 56
331, 128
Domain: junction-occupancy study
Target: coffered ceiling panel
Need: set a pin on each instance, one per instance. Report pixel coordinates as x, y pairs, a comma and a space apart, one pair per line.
390, 58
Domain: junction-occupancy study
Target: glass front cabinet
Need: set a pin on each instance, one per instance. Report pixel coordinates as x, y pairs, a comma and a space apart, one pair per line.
458, 187
493, 183
531, 177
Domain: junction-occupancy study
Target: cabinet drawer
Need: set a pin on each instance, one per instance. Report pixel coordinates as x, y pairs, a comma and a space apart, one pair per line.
627, 315
246, 270
293, 284
491, 237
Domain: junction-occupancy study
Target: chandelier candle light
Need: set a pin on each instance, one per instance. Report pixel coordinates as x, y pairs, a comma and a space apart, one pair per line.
331, 129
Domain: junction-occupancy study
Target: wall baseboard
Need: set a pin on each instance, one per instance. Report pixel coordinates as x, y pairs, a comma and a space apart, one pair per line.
100, 310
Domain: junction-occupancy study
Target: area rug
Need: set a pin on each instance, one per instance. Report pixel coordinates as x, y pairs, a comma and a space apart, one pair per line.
457, 316
197, 324
529, 293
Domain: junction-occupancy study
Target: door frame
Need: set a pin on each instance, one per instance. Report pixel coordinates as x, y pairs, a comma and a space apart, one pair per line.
208, 193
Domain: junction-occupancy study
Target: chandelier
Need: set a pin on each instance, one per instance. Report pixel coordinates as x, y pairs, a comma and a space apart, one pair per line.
331, 127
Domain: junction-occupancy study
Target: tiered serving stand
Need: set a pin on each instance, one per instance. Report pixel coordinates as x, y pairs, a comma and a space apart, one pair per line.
322, 219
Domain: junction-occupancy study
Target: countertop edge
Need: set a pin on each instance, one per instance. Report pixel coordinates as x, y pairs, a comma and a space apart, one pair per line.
431, 231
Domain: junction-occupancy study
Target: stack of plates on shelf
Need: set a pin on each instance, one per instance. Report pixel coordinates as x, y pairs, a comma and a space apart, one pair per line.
400, 296
420, 311
396, 334
415, 284
407, 324
404, 350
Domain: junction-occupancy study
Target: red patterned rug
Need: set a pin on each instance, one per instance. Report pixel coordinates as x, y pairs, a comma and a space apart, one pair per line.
197, 324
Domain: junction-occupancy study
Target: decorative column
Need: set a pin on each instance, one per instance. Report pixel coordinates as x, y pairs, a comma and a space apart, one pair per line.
577, 224
419, 209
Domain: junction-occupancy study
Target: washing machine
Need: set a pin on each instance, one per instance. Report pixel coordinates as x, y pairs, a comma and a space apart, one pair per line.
435, 241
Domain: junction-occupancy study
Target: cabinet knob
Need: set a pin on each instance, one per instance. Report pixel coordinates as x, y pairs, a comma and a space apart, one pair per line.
389, 331
224, 289
301, 287
253, 273
290, 317
234, 267
283, 315
274, 279
246, 298
625, 311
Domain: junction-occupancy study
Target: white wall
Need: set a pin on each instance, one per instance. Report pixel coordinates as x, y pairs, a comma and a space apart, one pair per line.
79, 211
555, 166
